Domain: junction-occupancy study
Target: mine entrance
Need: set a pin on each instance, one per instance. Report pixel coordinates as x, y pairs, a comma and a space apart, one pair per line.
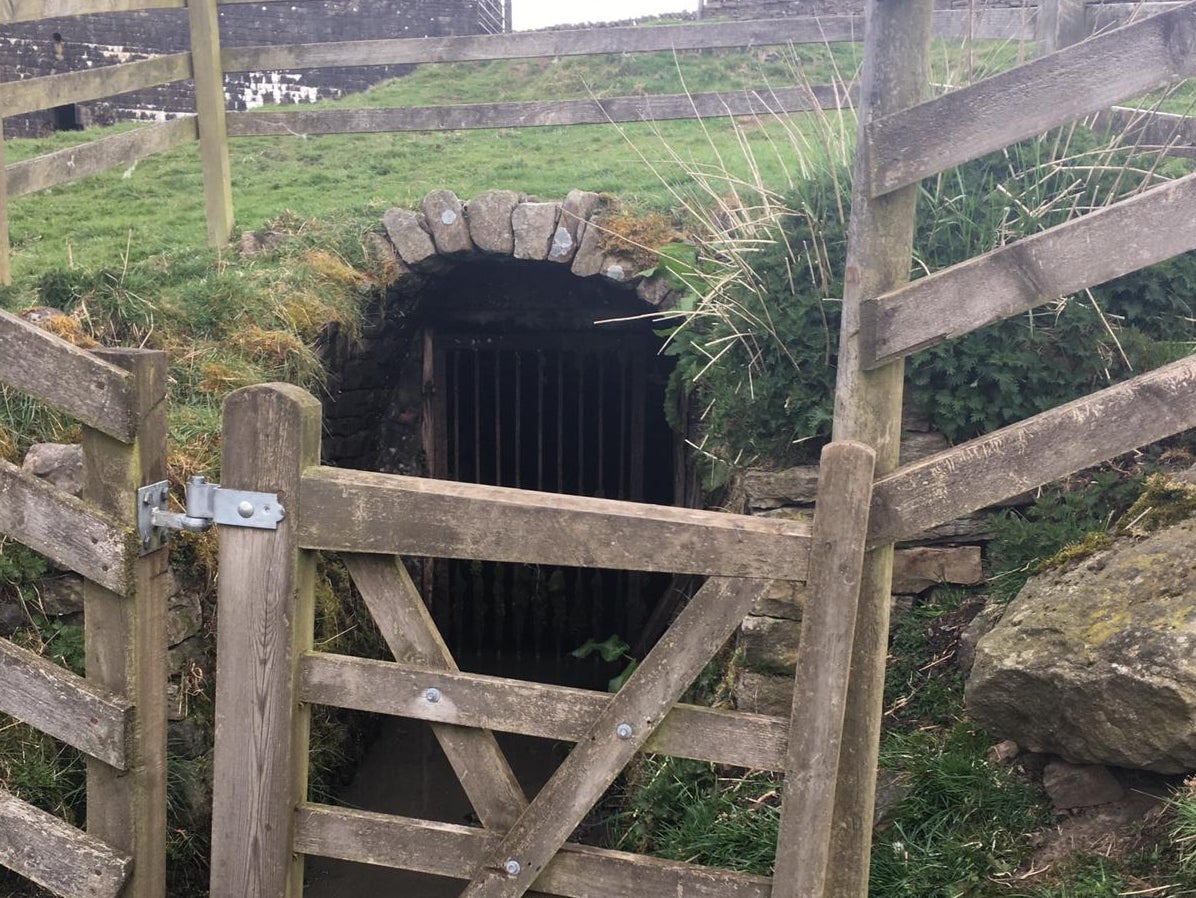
577, 412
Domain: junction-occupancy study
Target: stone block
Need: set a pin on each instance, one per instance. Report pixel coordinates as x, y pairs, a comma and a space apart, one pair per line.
60, 464
761, 693
184, 616
772, 489
533, 225
58, 596
590, 254
656, 292
413, 243
445, 216
1080, 785
918, 569
575, 215
769, 643
785, 598
618, 269
489, 218
916, 445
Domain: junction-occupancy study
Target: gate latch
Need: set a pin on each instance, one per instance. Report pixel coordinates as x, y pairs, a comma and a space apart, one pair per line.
207, 504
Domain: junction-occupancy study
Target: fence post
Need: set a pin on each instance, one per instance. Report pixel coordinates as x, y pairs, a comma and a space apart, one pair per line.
868, 409
5, 264
264, 623
125, 636
213, 129
823, 658
1059, 24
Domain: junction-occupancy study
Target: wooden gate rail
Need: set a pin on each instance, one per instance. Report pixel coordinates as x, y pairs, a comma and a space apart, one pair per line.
563, 713
1092, 249
905, 147
392, 514
21, 97
117, 714
444, 849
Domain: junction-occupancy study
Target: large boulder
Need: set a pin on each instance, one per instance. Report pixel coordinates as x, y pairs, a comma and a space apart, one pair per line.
1097, 663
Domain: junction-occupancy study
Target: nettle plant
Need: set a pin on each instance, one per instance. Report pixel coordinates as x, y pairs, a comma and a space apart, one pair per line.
756, 337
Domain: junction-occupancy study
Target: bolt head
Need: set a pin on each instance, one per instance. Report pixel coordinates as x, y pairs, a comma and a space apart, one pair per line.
432, 694
245, 509
512, 867
624, 731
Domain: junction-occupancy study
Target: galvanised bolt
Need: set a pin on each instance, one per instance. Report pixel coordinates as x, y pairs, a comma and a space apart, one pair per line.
624, 731
512, 867
245, 509
432, 694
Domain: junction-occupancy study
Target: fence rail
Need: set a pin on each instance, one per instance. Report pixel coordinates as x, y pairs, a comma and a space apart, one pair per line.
116, 715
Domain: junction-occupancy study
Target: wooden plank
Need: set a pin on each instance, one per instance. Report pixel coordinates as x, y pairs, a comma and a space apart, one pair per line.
823, 663
390, 514
1104, 16
125, 636
538, 113
906, 146
213, 128
513, 865
66, 706
66, 530
20, 97
72, 380
56, 855
562, 713
1097, 247
443, 849
1035, 451
868, 409
72, 163
5, 252
405, 624
33, 10
544, 44
271, 433
1059, 24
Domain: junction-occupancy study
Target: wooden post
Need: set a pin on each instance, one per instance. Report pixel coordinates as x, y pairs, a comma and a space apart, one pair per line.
868, 409
125, 636
213, 130
1059, 24
823, 659
265, 620
5, 263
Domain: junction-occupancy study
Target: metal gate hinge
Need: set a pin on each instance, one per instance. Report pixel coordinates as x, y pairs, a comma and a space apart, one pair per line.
207, 504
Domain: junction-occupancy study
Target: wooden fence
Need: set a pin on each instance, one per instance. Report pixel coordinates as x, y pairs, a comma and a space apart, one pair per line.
828, 746
117, 714
1054, 23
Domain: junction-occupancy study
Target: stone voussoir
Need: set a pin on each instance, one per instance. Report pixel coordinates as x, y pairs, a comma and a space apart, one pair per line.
489, 218
533, 224
445, 217
410, 238
576, 210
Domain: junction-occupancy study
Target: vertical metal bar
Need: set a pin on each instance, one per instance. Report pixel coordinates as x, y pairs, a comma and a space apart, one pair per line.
518, 416
540, 437
560, 421
498, 419
581, 423
638, 386
601, 418
623, 426
455, 474
477, 415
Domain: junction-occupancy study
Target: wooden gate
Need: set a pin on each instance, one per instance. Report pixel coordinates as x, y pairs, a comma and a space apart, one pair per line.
117, 714
268, 673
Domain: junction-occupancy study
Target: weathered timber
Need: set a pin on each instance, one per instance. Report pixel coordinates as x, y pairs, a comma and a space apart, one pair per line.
905, 146
5, 257
1105, 16
72, 163
64, 705
20, 97
540, 113
823, 663
1059, 24
69, 531
271, 433
614, 737
868, 410
987, 24
32, 10
1092, 249
395, 515
72, 380
444, 849
125, 638
1035, 451
405, 624
56, 855
213, 128
533, 709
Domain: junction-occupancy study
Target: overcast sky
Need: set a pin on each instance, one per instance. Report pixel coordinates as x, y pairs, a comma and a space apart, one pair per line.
527, 14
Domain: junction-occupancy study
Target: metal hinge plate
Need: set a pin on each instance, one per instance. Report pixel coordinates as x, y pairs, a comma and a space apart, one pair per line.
207, 504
